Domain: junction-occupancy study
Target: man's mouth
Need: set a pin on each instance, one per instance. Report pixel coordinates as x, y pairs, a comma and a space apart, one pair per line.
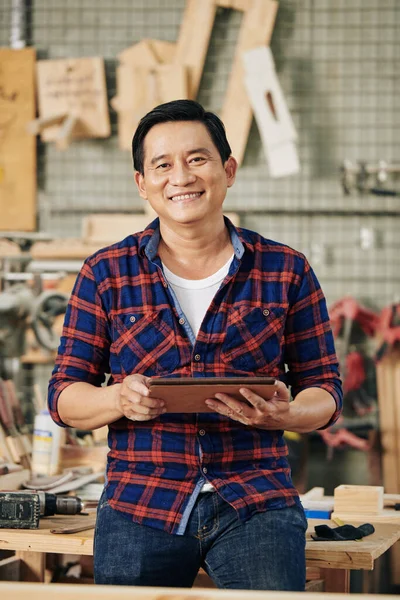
181, 197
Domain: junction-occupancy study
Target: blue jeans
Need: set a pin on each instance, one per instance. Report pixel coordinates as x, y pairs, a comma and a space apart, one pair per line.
267, 552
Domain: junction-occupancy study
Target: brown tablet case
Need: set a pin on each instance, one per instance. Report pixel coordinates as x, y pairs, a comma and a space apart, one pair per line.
188, 395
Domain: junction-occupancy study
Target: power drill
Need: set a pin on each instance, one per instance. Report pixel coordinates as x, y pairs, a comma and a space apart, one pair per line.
22, 510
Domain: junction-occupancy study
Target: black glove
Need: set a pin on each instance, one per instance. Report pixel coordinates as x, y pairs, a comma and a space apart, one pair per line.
342, 533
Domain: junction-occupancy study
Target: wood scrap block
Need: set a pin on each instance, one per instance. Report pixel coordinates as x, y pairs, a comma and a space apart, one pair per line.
108, 229
256, 30
193, 41
17, 147
360, 499
73, 90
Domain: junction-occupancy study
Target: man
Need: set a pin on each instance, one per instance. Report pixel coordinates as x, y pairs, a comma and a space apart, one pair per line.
192, 296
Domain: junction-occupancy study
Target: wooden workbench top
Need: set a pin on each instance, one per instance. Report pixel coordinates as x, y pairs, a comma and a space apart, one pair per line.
339, 555
37, 591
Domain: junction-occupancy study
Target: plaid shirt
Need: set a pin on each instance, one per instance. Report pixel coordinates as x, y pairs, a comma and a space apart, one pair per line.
123, 318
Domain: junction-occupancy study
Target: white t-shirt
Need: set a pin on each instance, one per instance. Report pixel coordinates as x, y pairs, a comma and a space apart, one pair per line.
195, 295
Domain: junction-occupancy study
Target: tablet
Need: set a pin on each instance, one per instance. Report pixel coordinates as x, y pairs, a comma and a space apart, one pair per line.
188, 394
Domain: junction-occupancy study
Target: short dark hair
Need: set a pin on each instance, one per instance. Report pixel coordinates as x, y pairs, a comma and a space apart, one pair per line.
179, 110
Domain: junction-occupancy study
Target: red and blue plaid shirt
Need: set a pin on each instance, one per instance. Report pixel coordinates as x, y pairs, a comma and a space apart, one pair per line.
123, 318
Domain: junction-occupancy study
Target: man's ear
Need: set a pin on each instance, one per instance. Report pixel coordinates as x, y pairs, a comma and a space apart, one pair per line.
230, 167
141, 186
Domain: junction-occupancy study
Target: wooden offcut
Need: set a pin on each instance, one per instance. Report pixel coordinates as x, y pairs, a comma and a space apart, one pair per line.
72, 100
193, 41
145, 78
17, 147
362, 499
256, 30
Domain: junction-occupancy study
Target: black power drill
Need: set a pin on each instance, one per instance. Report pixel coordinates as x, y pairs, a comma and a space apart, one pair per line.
22, 510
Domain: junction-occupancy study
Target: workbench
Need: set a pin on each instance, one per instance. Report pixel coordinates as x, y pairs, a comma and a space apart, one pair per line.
334, 559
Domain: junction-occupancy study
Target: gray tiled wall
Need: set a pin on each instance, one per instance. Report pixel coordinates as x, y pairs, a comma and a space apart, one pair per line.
337, 63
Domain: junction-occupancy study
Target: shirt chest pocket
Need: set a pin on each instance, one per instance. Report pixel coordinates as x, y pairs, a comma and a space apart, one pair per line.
254, 338
145, 342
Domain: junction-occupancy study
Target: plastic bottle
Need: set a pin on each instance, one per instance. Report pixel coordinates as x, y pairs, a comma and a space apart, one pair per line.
47, 440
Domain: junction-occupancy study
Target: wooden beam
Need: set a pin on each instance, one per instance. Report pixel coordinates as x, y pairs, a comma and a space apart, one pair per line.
256, 30
193, 41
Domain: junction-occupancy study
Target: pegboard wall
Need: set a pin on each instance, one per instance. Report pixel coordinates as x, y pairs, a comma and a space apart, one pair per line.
337, 63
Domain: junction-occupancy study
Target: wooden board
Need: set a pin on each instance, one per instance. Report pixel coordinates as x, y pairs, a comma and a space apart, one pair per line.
77, 88
256, 30
107, 229
389, 414
17, 147
193, 41
64, 591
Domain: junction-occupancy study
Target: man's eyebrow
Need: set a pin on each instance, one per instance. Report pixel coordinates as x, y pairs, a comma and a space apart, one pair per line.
201, 150
155, 159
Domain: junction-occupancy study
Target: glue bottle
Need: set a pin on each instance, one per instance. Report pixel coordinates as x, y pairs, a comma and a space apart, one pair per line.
47, 440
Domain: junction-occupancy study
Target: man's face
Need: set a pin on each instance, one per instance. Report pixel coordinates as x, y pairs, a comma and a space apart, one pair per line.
184, 178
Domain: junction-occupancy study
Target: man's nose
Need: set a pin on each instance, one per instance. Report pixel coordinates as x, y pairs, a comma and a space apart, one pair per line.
181, 175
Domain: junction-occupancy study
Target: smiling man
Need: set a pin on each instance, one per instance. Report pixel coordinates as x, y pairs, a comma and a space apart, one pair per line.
192, 296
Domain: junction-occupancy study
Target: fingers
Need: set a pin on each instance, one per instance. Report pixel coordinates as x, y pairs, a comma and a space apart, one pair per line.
229, 407
134, 400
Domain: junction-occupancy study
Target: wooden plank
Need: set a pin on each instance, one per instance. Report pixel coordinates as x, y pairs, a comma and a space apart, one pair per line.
107, 229
17, 146
387, 422
22, 591
193, 40
256, 30
76, 88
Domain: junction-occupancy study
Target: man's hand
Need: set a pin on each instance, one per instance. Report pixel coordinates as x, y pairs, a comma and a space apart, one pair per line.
134, 402
264, 413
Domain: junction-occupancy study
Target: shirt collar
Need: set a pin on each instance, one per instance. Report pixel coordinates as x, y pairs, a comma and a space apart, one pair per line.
150, 238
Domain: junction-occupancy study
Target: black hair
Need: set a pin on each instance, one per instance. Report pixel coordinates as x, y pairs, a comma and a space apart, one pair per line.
179, 110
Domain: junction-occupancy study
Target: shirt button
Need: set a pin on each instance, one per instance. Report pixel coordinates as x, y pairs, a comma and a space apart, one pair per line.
202, 432
197, 357
132, 319
204, 469
266, 312
181, 321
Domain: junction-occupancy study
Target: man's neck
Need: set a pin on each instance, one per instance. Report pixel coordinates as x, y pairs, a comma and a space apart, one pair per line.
195, 253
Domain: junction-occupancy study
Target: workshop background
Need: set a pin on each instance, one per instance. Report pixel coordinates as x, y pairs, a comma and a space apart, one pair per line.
337, 63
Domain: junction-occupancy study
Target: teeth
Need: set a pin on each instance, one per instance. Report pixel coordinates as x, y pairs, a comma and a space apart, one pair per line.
186, 196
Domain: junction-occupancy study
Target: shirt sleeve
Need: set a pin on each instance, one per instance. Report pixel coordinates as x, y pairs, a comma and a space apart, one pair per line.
309, 346
83, 354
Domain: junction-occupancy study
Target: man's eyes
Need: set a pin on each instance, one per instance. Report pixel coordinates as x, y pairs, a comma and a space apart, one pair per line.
194, 159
